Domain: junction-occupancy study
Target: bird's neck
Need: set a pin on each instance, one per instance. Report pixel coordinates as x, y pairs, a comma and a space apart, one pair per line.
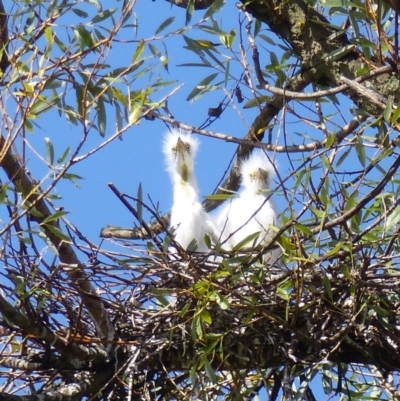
186, 189
255, 191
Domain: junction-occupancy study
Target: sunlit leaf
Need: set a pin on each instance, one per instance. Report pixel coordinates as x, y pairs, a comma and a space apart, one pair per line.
393, 218
48, 34
219, 196
205, 316
139, 51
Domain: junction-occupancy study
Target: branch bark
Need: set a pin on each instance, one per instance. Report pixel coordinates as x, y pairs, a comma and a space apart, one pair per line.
17, 174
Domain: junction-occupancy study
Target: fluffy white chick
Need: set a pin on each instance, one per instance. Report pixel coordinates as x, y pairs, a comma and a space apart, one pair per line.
251, 212
188, 218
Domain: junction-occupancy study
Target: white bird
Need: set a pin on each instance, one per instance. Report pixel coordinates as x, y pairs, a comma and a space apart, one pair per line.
251, 212
188, 218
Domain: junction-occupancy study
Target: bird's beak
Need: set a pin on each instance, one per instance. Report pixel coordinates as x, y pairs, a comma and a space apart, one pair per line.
261, 175
180, 152
180, 148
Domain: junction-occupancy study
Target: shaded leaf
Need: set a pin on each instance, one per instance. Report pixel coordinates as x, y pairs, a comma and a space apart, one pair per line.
199, 87
101, 117
49, 151
164, 25
215, 7
54, 217
189, 11
57, 232
103, 15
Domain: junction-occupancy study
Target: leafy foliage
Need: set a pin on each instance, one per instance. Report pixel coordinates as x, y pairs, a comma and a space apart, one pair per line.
134, 316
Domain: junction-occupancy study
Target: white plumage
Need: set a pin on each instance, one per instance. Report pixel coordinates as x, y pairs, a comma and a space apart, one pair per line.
188, 218
251, 212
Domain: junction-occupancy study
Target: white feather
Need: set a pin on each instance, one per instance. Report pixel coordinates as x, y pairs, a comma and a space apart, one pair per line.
188, 218
251, 212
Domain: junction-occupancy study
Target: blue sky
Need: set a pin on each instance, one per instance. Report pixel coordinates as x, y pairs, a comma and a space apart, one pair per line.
138, 157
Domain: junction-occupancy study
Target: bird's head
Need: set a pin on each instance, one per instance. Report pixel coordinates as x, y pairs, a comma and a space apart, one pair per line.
180, 149
257, 172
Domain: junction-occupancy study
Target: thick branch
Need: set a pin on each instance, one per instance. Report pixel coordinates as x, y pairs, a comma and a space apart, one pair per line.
17, 174
36, 330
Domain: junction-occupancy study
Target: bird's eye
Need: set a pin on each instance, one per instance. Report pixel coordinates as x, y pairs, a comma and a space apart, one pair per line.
174, 150
188, 147
251, 175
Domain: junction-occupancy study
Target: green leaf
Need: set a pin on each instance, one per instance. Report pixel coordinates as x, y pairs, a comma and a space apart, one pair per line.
388, 111
210, 371
330, 141
257, 27
189, 11
215, 7
360, 150
393, 218
139, 51
48, 34
200, 86
101, 16
283, 293
304, 229
222, 302
207, 241
49, 151
246, 241
164, 25
64, 155
213, 30
219, 196
79, 99
101, 117
327, 284
84, 37
343, 157
340, 53
118, 117
53, 217
72, 178
205, 316
396, 114
139, 205
158, 54
256, 101
57, 232
134, 115
80, 13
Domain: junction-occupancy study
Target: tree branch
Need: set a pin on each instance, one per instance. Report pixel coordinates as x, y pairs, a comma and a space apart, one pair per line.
17, 174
